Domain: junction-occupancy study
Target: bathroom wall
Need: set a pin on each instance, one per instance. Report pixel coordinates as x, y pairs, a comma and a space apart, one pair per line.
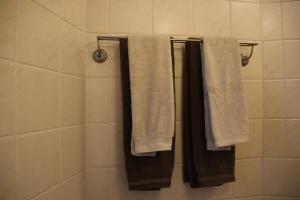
106, 178
42, 140
281, 58
45, 106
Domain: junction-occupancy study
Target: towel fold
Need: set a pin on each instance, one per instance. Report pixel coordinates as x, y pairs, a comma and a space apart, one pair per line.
202, 168
152, 95
143, 172
226, 114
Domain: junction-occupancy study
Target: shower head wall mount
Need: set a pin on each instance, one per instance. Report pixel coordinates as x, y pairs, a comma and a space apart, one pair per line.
99, 55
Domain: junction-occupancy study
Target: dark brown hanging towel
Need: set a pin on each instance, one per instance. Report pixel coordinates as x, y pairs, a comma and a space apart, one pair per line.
202, 168
143, 172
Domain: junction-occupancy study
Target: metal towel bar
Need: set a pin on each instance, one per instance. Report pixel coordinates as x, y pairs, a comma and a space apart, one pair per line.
100, 55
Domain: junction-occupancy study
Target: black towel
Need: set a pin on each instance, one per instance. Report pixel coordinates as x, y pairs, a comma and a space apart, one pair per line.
143, 172
202, 168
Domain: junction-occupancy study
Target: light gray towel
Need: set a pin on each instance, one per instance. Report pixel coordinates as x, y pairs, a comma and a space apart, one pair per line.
152, 93
226, 114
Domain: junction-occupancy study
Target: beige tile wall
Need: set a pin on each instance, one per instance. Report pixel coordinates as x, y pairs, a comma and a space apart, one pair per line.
281, 35
42, 140
106, 178
45, 52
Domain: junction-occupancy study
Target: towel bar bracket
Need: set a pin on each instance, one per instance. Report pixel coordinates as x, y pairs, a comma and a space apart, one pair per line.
100, 55
245, 59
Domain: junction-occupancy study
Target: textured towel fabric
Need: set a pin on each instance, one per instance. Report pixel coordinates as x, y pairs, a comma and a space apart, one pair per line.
208, 128
224, 90
152, 95
202, 168
143, 172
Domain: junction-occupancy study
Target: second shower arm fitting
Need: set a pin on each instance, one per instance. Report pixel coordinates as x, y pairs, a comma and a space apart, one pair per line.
100, 55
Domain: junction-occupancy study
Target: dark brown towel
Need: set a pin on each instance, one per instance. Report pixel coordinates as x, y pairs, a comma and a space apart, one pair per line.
202, 168
143, 172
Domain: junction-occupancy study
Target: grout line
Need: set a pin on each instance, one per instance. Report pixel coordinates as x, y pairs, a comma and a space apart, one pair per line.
283, 118
104, 124
290, 39
282, 24
230, 17
15, 107
56, 15
277, 1
263, 109
72, 126
36, 132
55, 186
284, 88
73, 176
282, 158
283, 79
6, 137
108, 17
104, 167
266, 79
7, 59
103, 77
41, 68
71, 76
50, 129
253, 79
193, 17
152, 22
108, 85
272, 40
44, 192
246, 1
242, 159
282, 196
244, 197
263, 75
60, 167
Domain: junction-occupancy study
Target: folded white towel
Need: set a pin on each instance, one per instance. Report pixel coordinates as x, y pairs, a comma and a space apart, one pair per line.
226, 113
152, 93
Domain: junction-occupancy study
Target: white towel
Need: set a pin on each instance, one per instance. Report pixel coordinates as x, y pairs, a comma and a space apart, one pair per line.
226, 113
152, 93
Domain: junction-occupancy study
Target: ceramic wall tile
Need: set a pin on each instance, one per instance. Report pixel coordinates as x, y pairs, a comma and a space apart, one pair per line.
8, 16
132, 16
8, 175
72, 101
207, 22
37, 41
34, 151
291, 16
37, 99
245, 20
173, 17
97, 15
7, 98
271, 21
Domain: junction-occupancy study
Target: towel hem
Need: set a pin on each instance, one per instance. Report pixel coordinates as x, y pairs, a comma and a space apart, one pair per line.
212, 144
153, 144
